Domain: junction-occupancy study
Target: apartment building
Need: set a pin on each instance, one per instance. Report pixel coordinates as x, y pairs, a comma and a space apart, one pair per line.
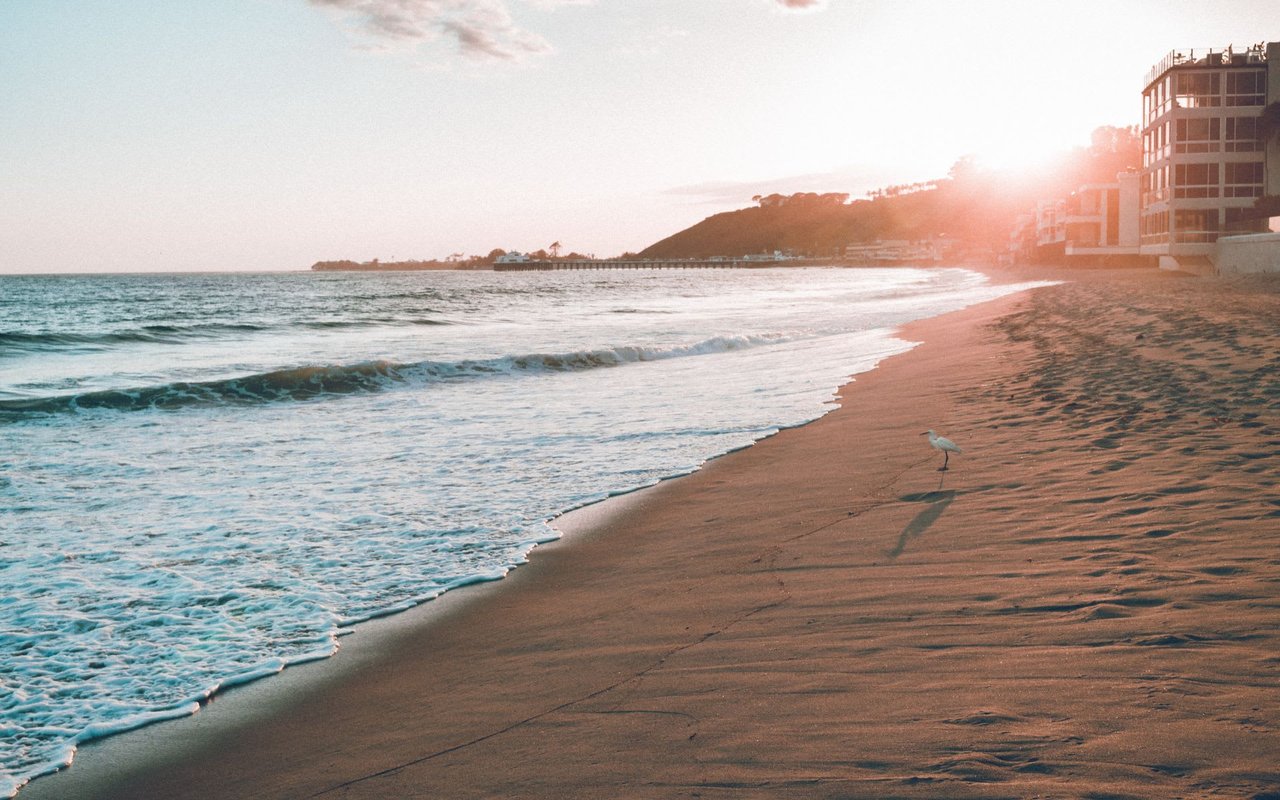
1205, 162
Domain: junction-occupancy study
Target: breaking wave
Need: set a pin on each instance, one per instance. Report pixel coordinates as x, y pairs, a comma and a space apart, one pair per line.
23, 342
147, 334
310, 382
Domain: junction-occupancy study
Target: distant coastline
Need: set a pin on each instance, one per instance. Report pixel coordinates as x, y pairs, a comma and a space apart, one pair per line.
396, 266
545, 265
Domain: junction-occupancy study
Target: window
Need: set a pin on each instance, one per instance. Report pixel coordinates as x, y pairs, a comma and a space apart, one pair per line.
1156, 144
1155, 186
1156, 100
1199, 89
1245, 220
1195, 226
1195, 180
1198, 135
1247, 88
1155, 228
1242, 135
1243, 179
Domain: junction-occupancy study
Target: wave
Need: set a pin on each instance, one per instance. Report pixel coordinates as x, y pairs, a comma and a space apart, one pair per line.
164, 334
311, 382
177, 334
365, 323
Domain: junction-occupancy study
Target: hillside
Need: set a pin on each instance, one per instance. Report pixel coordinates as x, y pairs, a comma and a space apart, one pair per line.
972, 206
821, 229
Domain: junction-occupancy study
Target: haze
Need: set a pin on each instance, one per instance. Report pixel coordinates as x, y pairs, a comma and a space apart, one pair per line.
148, 135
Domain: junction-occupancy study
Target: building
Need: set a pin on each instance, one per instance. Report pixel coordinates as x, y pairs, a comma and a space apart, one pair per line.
1097, 223
887, 252
1051, 232
1101, 220
1205, 162
776, 255
1022, 240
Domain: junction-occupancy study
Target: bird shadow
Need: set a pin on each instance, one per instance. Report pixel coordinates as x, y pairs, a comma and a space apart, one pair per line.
938, 501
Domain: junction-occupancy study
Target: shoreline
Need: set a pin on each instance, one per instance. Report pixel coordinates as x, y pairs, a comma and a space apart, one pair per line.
179, 711
613, 645
146, 746
240, 702
140, 748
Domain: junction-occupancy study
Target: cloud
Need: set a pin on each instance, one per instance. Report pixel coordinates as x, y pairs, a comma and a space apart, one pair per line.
481, 29
802, 5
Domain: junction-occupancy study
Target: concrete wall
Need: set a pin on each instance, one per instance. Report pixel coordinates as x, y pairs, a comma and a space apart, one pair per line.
1258, 252
1130, 211
1272, 168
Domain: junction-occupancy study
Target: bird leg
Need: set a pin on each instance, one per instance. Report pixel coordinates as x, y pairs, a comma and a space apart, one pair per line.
945, 457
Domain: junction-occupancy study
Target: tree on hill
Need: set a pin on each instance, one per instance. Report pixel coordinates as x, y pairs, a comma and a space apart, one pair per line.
973, 205
801, 198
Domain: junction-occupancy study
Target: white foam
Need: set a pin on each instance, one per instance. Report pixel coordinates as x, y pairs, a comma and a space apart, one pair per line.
164, 555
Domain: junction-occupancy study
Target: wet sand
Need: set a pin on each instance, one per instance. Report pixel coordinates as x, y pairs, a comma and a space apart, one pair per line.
1086, 604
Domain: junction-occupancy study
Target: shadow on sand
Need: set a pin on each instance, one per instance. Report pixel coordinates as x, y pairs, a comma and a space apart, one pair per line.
938, 501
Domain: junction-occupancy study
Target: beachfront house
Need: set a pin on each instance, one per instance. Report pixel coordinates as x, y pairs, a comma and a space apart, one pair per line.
1207, 158
1097, 223
1102, 219
1022, 240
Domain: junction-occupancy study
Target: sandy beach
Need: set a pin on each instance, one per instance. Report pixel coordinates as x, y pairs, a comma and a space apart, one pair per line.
1086, 605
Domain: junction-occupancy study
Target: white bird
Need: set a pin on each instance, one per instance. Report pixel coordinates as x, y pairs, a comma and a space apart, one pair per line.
945, 445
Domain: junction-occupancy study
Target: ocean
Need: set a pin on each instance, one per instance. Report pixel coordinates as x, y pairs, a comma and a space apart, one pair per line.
206, 478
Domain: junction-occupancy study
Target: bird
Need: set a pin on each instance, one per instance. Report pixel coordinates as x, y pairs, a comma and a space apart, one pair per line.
945, 445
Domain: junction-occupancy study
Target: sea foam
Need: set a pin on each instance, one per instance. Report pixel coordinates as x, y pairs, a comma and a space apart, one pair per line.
282, 456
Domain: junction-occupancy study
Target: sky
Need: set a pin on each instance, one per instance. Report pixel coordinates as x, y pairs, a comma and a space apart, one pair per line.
152, 135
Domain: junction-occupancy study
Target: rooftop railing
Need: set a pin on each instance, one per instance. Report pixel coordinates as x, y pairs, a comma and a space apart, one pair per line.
1208, 57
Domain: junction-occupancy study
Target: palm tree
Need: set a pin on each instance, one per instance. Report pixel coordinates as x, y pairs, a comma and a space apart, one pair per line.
555, 249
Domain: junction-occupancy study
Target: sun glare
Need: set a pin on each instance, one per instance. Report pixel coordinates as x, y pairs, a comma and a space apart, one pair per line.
1016, 156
